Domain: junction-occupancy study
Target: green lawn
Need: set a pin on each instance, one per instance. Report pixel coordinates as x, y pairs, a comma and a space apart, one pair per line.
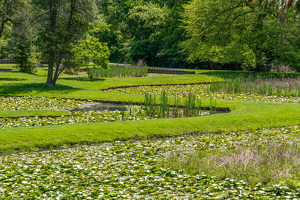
16, 83
190, 166
244, 115
247, 117
8, 66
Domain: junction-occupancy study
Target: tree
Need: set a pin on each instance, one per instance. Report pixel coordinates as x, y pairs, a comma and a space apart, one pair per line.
22, 40
249, 34
139, 29
8, 8
146, 22
61, 22
90, 50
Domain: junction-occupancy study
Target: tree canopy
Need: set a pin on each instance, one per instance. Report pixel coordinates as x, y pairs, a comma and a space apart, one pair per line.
215, 34
246, 33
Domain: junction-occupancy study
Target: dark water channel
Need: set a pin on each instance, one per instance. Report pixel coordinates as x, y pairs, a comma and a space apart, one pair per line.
102, 107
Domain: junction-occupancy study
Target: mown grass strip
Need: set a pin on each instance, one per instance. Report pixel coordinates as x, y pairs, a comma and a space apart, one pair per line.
247, 116
151, 85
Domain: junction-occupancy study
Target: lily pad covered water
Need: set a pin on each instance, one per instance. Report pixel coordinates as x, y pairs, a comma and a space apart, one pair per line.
84, 113
75, 117
203, 91
44, 103
40, 103
124, 170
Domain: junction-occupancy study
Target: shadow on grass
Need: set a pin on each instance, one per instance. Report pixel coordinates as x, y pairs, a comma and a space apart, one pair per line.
83, 79
13, 79
20, 89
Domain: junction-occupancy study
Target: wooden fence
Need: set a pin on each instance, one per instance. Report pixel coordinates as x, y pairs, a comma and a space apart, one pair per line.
169, 71
7, 61
7, 70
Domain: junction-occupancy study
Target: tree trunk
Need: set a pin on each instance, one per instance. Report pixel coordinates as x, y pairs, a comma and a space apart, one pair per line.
259, 54
50, 73
283, 24
56, 74
2, 26
52, 78
71, 14
53, 14
289, 3
90, 75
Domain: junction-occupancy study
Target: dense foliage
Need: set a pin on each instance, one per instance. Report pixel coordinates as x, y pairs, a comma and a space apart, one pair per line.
119, 71
90, 50
248, 35
212, 34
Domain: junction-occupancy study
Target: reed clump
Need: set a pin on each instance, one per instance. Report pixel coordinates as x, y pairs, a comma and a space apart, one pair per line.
262, 84
261, 164
119, 71
156, 106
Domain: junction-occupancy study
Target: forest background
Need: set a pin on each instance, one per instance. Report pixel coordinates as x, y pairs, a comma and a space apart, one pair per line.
259, 35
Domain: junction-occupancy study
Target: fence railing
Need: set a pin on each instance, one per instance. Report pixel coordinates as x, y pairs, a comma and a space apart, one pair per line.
169, 71
7, 70
7, 61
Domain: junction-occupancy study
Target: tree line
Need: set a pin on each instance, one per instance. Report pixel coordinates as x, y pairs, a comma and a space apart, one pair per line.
207, 34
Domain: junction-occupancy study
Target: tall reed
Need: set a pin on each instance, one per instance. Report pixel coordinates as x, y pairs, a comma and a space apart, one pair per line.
119, 71
192, 106
262, 84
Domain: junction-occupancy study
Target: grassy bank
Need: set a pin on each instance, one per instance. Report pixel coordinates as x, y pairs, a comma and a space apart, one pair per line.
16, 83
247, 116
244, 116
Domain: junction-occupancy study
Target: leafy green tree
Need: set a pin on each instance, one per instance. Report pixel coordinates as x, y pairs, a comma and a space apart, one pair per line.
91, 50
106, 34
61, 23
249, 34
3, 48
146, 22
22, 40
149, 30
8, 9
147, 19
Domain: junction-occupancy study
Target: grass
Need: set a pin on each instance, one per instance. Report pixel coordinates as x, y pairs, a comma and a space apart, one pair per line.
230, 146
16, 83
123, 170
8, 66
244, 115
247, 116
260, 164
259, 84
119, 71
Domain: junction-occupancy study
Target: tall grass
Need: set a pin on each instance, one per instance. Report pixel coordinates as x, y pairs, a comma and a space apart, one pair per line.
119, 71
158, 107
262, 84
266, 165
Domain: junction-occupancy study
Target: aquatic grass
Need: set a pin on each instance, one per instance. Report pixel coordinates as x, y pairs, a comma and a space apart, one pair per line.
119, 71
265, 163
191, 107
164, 108
259, 84
150, 105
213, 105
204, 91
